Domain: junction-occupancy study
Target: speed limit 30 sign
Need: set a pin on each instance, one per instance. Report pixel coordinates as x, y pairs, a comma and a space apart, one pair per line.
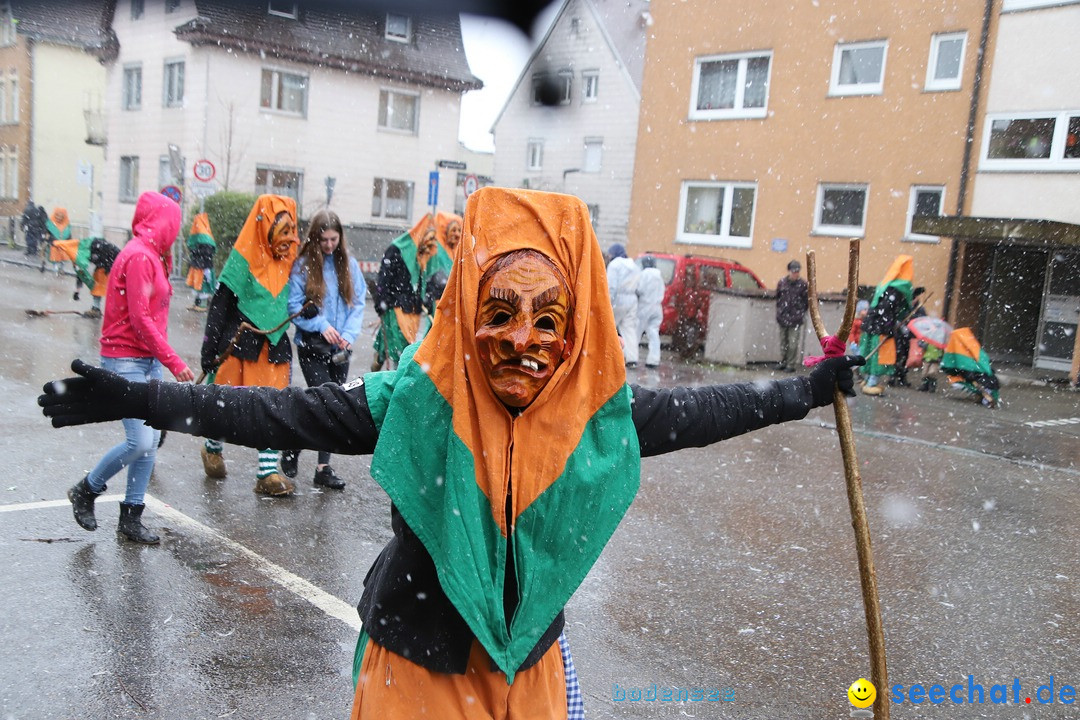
204, 170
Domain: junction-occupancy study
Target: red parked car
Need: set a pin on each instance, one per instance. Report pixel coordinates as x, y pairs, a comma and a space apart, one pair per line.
689, 280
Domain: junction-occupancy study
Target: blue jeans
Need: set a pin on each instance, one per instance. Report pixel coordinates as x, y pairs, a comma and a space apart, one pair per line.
139, 450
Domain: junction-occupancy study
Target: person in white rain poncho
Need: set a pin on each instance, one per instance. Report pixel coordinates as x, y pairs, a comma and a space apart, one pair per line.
622, 277
650, 298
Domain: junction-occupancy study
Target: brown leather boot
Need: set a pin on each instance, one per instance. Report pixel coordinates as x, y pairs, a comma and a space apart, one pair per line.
275, 485
213, 464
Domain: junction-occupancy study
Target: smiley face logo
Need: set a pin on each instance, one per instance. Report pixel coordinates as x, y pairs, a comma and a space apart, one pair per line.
862, 693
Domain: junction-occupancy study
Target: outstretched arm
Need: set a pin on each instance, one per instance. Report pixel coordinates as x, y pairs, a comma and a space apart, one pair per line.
683, 417
327, 417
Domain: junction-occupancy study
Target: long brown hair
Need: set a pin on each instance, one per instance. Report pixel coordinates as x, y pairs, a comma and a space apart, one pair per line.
312, 254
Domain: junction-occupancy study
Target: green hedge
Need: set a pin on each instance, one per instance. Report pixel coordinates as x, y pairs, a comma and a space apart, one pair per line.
227, 212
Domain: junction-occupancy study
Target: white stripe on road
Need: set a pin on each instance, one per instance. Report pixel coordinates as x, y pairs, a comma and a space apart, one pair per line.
1050, 423
333, 606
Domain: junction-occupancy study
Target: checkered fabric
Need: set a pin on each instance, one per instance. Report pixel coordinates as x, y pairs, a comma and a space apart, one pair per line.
575, 704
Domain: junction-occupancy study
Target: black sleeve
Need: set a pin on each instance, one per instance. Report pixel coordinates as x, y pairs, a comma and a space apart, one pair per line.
327, 417
682, 417
219, 327
395, 288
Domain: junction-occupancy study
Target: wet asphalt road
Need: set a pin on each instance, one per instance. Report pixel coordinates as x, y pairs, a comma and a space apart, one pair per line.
735, 567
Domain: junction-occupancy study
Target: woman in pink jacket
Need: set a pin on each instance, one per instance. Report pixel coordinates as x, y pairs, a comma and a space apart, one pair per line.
134, 344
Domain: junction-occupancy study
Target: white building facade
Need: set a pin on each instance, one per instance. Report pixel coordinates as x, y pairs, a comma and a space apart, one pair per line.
281, 100
580, 138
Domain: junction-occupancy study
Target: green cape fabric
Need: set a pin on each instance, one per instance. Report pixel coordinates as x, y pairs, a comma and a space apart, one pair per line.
82, 262
199, 239
428, 473
255, 301
407, 246
65, 234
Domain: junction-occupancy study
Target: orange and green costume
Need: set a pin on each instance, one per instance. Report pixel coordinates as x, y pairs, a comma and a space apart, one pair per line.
513, 509
891, 302
401, 287
201, 248
78, 253
965, 362
59, 224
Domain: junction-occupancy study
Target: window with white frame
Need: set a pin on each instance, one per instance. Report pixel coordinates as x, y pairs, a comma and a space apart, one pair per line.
137, 7
391, 199
284, 92
534, 155
925, 201
590, 85
730, 86
172, 90
565, 80
399, 110
4, 107
858, 68
945, 67
398, 27
282, 8
841, 210
270, 180
13, 86
1034, 142
594, 150
132, 93
129, 178
594, 214
717, 213
4, 192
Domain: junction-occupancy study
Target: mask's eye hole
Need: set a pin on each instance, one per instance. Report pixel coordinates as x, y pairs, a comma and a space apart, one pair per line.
546, 323
500, 318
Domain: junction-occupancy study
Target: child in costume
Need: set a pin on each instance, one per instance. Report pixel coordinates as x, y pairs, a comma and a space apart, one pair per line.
201, 249
253, 288
509, 442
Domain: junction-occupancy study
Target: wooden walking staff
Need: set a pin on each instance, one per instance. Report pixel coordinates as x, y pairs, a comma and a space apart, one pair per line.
867, 575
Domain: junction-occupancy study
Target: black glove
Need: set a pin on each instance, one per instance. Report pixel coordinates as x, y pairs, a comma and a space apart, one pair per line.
96, 395
309, 311
833, 372
75, 296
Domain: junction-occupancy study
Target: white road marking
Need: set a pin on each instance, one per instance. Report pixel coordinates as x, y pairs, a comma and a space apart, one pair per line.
329, 604
1050, 423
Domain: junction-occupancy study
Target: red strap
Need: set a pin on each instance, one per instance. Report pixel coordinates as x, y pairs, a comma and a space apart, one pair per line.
833, 347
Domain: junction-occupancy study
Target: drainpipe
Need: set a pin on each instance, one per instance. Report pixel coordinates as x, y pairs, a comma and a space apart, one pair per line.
969, 143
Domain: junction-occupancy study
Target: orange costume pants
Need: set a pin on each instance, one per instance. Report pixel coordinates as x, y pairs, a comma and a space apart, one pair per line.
393, 688
237, 372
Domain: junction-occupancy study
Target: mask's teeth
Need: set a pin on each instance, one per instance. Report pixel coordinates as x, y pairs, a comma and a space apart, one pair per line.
529, 363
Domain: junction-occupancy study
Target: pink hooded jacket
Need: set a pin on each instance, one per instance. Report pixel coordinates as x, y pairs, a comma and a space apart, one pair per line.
136, 322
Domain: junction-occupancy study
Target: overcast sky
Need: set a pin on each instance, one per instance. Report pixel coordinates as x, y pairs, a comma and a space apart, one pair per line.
497, 51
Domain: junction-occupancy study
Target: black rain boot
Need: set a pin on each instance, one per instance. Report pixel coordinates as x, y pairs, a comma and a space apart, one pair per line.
131, 525
82, 498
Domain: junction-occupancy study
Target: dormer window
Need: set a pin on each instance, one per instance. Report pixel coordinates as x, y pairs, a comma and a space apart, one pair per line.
282, 8
398, 27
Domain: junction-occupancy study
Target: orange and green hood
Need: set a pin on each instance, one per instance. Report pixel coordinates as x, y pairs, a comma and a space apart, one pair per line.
964, 358
259, 281
59, 224
458, 465
900, 276
443, 259
200, 232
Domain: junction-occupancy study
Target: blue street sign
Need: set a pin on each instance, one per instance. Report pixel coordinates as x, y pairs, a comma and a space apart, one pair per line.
433, 188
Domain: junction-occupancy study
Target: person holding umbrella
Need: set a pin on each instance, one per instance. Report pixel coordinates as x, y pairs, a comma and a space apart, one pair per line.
934, 334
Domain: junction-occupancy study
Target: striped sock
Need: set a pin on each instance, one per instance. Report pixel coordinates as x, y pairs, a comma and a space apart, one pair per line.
268, 460
213, 446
